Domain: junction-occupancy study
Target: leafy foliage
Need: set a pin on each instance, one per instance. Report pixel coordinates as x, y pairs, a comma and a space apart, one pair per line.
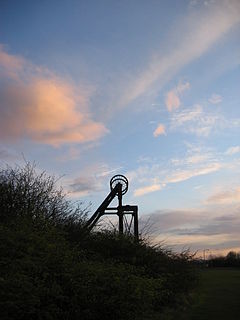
51, 268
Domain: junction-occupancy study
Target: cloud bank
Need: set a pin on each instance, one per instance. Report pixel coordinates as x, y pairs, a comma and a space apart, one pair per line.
196, 229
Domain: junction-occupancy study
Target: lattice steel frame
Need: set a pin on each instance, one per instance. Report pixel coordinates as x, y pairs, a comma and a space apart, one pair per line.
118, 186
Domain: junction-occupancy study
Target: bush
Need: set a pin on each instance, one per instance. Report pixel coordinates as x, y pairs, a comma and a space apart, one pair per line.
51, 268
26, 194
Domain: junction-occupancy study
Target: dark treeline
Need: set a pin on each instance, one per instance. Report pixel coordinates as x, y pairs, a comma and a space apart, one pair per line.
51, 268
232, 259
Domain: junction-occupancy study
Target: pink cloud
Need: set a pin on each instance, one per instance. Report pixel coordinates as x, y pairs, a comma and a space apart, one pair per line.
148, 189
42, 106
172, 101
159, 130
10, 65
182, 175
226, 197
172, 98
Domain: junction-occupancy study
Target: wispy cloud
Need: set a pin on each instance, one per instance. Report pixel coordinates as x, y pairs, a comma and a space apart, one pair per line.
108, 171
195, 159
200, 31
10, 65
93, 178
83, 186
225, 197
187, 115
215, 98
38, 105
148, 189
160, 130
172, 100
233, 150
200, 122
156, 176
182, 175
197, 121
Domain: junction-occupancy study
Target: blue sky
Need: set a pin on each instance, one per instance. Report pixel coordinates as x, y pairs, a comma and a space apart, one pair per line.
148, 89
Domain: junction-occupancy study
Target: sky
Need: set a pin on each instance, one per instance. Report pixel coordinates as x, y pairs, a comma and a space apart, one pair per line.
145, 88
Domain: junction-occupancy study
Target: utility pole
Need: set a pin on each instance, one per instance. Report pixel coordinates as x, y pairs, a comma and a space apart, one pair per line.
204, 253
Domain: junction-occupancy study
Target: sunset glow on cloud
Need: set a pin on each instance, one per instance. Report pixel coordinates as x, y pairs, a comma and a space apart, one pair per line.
173, 97
159, 130
148, 189
42, 107
226, 197
10, 65
93, 91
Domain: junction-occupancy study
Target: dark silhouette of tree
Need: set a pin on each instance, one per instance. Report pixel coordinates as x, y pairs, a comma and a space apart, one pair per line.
232, 259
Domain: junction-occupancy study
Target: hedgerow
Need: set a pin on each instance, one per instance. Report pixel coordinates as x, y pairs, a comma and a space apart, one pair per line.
51, 268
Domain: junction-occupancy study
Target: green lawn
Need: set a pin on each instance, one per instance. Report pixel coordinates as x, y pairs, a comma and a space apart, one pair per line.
218, 296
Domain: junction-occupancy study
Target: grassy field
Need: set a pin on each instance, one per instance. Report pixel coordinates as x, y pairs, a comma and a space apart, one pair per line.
218, 296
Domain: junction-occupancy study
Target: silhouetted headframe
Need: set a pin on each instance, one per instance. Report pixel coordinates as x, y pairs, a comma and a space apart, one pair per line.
118, 187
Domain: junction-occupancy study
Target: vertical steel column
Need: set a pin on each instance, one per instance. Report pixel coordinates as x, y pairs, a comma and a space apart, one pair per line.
120, 209
136, 223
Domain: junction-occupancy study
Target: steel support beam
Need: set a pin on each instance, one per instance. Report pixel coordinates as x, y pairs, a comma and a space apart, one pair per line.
121, 210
